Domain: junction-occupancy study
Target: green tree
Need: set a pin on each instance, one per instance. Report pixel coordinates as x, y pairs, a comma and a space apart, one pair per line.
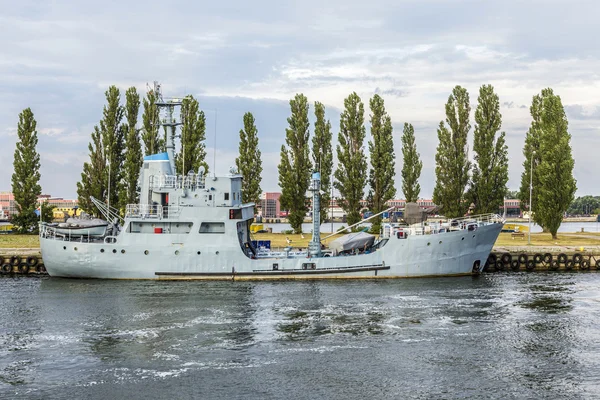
411, 166
295, 166
554, 185
512, 194
26, 177
322, 155
452, 162
133, 150
113, 139
381, 150
490, 170
584, 205
351, 174
101, 177
193, 134
249, 162
47, 211
153, 143
92, 178
532, 153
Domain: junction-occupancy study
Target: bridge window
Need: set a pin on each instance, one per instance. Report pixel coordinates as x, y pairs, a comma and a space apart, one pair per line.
226, 196
212, 227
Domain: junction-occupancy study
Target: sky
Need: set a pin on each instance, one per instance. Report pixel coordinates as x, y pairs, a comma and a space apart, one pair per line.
236, 56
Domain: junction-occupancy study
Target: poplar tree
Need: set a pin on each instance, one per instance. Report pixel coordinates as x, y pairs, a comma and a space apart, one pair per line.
153, 143
92, 178
322, 155
351, 173
26, 177
490, 170
452, 161
193, 134
113, 139
533, 154
554, 183
381, 150
411, 165
295, 166
249, 162
101, 177
133, 150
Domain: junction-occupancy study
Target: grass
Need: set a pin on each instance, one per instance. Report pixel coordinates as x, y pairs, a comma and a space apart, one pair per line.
19, 241
279, 240
545, 239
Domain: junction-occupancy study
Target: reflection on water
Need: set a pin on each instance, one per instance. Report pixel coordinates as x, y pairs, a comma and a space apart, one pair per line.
498, 336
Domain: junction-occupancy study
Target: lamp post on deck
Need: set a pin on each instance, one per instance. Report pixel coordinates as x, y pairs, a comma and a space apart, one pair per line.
530, 195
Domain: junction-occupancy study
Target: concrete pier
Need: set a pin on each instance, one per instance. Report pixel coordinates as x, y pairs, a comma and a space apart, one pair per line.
21, 262
540, 258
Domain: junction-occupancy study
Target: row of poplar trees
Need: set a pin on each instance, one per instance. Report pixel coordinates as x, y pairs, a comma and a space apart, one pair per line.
461, 184
117, 147
351, 174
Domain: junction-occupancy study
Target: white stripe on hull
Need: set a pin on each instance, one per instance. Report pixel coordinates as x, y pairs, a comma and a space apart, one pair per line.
451, 253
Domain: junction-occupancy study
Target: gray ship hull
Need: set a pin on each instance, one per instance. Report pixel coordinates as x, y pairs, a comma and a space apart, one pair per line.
186, 257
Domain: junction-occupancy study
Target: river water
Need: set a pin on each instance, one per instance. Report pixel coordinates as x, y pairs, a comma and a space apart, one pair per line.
500, 336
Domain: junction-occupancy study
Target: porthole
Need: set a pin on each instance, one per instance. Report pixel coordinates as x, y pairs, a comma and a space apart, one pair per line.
64, 247
146, 252
75, 248
473, 236
115, 251
462, 239
101, 250
199, 253
440, 242
176, 252
217, 252
428, 243
177, 225
122, 251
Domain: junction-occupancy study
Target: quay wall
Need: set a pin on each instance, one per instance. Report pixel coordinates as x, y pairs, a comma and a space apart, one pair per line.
539, 258
21, 261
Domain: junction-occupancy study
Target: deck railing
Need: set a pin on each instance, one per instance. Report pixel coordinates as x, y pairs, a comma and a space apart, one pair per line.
470, 222
190, 181
151, 211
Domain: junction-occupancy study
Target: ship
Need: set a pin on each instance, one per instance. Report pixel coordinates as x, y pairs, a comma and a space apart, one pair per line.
196, 227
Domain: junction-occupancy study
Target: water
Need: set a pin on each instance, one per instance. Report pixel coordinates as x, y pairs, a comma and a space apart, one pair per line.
501, 336
568, 227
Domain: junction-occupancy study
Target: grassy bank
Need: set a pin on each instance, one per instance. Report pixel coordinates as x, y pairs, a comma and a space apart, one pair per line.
280, 240
19, 241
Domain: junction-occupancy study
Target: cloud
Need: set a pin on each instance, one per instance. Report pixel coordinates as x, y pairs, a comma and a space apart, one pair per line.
579, 112
511, 104
237, 56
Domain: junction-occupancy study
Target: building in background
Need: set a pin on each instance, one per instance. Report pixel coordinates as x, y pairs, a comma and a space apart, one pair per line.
512, 208
269, 205
8, 206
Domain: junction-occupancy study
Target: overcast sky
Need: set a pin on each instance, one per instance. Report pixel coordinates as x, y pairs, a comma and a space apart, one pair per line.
60, 57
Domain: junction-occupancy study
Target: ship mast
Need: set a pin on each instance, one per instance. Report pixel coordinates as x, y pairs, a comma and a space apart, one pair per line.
314, 247
169, 123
